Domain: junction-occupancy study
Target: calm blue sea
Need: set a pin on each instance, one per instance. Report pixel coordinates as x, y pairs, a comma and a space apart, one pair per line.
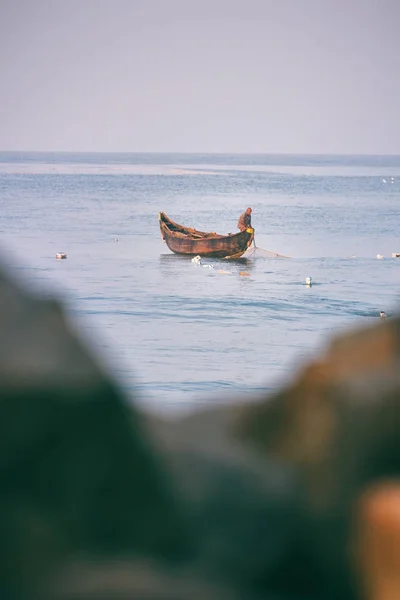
183, 335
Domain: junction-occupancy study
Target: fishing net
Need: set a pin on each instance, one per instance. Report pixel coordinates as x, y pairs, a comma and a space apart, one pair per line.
256, 252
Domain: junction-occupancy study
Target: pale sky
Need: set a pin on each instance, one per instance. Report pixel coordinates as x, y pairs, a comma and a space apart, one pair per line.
296, 76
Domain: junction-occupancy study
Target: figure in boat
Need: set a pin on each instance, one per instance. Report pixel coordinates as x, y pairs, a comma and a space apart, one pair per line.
245, 220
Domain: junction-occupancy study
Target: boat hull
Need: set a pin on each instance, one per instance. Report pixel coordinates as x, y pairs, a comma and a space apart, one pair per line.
191, 242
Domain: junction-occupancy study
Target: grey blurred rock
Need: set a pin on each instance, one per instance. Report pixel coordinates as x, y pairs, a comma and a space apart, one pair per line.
245, 510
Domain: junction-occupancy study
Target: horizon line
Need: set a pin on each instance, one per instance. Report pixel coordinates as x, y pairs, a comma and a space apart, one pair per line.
192, 152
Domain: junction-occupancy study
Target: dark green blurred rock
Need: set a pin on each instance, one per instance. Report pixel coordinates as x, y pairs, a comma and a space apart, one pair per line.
78, 475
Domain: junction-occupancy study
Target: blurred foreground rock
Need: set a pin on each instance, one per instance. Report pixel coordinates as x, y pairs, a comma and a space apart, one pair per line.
78, 478
338, 424
261, 501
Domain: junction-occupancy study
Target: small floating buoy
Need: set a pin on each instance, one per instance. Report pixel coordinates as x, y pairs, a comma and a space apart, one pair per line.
309, 281
395, 254
115, 239
382, 314
61, 255
392, 179
244, 274
380, 256
383, 180
196, 259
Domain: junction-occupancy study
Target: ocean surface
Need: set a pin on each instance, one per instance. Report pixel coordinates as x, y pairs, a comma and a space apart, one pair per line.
182, 335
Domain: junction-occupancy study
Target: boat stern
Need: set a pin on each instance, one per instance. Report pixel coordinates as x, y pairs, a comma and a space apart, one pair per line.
250, 231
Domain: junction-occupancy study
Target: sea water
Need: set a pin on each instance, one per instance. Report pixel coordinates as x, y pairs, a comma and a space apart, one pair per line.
178, 336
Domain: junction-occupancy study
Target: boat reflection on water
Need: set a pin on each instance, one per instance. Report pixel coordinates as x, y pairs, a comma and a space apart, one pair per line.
171, 264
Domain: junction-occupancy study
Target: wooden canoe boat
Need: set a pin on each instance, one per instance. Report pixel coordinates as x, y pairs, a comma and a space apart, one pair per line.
185, 240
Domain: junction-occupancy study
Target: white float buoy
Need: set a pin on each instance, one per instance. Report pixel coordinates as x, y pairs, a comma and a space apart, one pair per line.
196, 259
380, 256
61, 255
383, 180
309, 281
